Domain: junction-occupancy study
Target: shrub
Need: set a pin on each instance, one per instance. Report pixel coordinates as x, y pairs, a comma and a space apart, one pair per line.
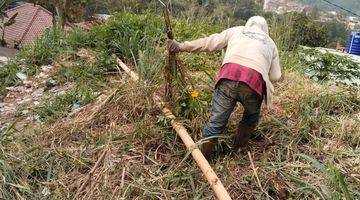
330, 67
338, 32
293, 29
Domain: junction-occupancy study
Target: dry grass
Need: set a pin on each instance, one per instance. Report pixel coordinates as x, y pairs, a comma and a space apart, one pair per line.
142, 158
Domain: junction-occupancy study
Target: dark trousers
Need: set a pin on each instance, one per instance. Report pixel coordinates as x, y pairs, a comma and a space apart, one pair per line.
227, 93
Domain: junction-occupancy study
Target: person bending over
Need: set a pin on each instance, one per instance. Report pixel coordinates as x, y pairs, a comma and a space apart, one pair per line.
250, 65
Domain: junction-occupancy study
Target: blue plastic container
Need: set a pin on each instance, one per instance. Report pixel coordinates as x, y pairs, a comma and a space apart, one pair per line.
353, 46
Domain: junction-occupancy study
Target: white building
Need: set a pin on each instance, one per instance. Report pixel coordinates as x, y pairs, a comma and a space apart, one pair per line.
284, 6
353, 23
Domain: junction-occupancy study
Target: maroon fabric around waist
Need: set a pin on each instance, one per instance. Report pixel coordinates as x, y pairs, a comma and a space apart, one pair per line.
236, 72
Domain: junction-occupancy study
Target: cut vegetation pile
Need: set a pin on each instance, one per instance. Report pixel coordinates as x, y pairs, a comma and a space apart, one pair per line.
118, 146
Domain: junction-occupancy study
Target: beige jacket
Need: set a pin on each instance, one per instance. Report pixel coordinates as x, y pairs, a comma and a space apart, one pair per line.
248, 45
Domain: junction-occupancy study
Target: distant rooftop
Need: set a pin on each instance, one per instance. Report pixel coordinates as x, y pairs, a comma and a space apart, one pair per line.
30, 23
283, 6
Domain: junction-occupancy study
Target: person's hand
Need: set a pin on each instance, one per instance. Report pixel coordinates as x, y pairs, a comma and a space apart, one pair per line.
173, 46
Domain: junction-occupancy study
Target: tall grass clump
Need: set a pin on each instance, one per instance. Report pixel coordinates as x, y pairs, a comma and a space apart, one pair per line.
127, 34
44, 49
85, 71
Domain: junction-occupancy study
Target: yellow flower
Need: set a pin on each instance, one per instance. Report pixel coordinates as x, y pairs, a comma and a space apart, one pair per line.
194, 94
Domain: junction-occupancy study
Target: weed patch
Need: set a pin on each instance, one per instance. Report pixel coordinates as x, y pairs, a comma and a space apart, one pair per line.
60, 105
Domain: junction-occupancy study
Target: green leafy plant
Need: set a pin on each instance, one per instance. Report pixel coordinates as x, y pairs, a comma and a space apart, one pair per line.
330, 67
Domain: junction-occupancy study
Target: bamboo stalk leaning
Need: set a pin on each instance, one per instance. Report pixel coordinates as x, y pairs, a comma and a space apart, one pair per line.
201, 161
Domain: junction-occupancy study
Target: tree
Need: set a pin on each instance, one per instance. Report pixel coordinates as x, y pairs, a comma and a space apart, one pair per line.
338, 32
3, 6
64, 11
245, 9
307, 32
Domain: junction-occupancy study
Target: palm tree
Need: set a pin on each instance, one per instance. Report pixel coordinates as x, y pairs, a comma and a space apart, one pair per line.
3, 6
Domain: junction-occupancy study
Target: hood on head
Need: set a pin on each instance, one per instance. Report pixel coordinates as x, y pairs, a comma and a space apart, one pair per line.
258, 22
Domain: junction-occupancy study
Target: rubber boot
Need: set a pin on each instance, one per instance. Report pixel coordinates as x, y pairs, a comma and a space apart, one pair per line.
207, 148
242, 136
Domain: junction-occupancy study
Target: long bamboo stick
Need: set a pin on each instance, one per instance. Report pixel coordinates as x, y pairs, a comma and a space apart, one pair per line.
170, 68
201, 161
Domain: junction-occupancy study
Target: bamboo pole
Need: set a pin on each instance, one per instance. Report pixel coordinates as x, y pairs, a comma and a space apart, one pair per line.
170, 68
127, 70
201, 161
173, 69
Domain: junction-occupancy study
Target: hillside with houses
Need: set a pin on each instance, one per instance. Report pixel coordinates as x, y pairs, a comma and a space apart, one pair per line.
352, 5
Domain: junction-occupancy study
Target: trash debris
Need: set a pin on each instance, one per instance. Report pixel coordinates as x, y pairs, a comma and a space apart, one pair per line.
28, 90
20, 99
38, 93
20, 89
24, 101
75, 106
51, 83
46, 68
28, 84
21, 76
42, 75
84, 53
54, 90
24, 112
3, 60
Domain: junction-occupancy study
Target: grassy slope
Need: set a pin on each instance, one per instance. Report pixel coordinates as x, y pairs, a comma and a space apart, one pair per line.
305, 147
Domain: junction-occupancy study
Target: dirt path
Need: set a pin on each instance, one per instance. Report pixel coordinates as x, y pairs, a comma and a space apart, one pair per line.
7, 52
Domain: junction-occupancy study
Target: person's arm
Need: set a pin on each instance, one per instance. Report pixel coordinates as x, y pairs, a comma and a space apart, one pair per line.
214, 42
275, 69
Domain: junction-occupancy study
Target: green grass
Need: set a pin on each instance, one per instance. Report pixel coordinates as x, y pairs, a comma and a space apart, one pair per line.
58, 106
8, 77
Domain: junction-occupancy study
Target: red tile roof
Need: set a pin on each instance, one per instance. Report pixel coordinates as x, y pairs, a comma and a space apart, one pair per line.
30, 24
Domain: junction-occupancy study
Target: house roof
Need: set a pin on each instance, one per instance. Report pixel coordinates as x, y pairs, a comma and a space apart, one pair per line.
30, 23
